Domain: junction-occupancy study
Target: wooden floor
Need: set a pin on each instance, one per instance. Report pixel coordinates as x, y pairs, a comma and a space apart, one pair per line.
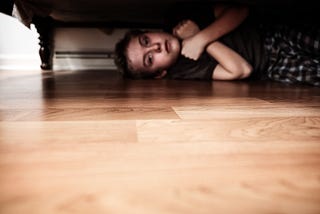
90, 142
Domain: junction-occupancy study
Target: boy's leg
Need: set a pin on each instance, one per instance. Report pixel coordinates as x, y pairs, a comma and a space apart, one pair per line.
303, 39
293, 69
294, 55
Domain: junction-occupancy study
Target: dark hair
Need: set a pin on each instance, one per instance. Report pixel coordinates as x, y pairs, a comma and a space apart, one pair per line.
121, 59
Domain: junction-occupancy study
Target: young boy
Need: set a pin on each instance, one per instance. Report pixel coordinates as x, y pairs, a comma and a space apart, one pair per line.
285, 54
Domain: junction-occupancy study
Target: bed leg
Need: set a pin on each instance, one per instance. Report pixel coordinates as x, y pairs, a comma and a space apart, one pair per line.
44, 26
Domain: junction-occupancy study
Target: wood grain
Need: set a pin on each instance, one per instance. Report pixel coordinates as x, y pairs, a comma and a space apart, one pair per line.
90, 142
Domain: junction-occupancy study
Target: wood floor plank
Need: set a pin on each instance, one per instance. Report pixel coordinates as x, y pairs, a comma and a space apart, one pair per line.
239, 129
67, 131
122, 177
94, 114
220, 112
152, 102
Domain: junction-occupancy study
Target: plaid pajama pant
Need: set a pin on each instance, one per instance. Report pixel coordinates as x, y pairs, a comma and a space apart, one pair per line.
294, 54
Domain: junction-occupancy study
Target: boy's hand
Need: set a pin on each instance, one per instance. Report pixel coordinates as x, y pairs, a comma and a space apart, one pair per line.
193, 47
186, 29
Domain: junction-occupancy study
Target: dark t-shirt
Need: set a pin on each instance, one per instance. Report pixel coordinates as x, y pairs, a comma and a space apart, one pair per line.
247, 40
193, 70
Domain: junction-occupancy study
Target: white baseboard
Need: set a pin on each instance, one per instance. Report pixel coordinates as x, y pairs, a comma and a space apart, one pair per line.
64, 61
83, 60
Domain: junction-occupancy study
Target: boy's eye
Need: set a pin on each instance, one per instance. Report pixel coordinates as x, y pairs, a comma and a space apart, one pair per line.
145, 40
149, 59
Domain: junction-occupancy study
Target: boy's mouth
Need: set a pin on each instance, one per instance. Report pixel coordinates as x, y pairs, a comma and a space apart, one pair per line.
167, 46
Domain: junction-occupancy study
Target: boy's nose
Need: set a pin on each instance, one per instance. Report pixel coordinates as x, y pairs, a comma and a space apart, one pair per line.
156, 47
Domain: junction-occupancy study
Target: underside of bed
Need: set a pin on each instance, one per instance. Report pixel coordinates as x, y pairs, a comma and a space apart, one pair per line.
49, 14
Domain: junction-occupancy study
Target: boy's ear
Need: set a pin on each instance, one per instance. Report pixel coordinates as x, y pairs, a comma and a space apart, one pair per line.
161, 74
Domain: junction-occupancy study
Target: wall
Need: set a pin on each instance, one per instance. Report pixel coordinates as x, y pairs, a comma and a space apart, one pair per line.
85, 48
18, 45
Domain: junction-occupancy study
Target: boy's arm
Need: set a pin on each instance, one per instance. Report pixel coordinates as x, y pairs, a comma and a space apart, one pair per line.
231, 65
228, 18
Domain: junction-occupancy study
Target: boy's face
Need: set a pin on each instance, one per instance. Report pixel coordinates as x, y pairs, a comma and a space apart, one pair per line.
153, 51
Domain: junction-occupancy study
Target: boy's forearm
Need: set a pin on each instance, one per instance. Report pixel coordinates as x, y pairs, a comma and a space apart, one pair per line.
228, 20
231, 61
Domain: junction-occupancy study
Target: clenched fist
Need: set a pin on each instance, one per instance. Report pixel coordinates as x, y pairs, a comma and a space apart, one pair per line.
192, 44
186, 29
